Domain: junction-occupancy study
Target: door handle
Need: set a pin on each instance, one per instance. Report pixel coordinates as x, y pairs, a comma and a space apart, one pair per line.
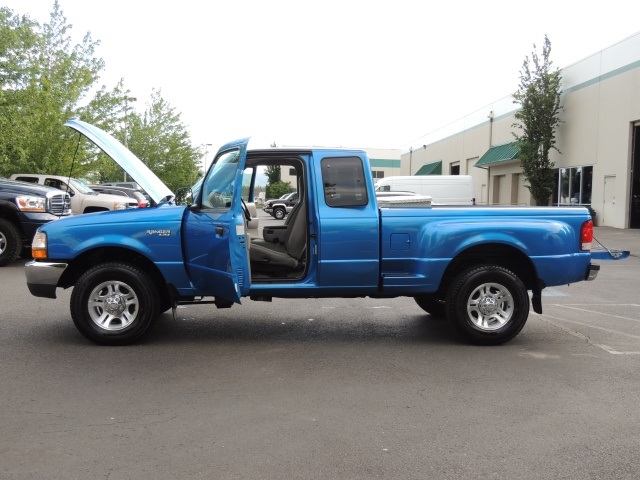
219, 230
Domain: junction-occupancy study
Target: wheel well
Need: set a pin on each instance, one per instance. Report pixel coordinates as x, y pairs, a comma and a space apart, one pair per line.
492, 254
13, 218
88, 259
95, 209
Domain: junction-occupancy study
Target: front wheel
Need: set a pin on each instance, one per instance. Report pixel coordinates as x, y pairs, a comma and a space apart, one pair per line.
114, 303
10, 242
279, 213
488, 305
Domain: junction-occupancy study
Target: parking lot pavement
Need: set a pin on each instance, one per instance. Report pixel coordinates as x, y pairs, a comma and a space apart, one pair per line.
619, 239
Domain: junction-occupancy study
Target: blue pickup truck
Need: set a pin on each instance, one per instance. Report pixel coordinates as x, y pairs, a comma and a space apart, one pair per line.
474, 265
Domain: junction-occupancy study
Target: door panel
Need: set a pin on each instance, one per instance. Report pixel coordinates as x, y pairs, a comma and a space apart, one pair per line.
214, 230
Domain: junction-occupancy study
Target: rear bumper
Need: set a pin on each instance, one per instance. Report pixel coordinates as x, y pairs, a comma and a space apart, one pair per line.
42, 277
592, 272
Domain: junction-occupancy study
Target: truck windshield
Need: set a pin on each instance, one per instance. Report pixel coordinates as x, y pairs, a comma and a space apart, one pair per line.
80, 186
217, 190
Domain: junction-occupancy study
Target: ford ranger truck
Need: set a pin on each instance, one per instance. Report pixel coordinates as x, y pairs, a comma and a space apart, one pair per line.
473, 265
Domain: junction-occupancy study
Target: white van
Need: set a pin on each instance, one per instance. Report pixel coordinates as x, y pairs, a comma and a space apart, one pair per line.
443, 189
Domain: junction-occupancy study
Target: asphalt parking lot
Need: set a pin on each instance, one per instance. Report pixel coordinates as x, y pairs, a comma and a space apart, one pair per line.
317, 389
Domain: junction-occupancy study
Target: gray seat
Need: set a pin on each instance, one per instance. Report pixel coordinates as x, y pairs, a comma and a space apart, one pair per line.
290, 252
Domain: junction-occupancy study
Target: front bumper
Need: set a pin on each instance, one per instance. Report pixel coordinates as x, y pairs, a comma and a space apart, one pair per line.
42, 277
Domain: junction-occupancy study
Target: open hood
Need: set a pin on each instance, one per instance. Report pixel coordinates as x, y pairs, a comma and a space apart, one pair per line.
131, 164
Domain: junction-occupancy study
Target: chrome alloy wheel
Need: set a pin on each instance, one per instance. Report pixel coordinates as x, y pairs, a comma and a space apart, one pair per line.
113, 305
3, 243
490, 306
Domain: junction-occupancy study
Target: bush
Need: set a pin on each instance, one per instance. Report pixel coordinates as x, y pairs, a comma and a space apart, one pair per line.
276, 190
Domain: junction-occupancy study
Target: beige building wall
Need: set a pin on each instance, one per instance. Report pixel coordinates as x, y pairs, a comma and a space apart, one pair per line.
385, 162
601, 104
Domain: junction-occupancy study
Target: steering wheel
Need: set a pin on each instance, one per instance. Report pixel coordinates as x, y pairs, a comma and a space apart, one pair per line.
247, 214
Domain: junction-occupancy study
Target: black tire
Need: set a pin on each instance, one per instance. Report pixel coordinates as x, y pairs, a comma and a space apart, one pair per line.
279, 213
125, 303
10, 242
431, 304
488, 305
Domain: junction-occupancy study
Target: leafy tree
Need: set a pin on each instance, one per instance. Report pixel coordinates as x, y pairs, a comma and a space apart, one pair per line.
539, 96
273, 173
275, 186
162, 142
47, 79
277, 189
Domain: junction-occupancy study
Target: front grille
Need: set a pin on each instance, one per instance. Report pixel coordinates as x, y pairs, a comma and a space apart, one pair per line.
59, 204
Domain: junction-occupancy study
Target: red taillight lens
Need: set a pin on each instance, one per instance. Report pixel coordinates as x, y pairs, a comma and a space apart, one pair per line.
586, 235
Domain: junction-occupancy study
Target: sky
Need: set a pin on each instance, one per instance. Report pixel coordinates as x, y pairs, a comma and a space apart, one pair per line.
350, 73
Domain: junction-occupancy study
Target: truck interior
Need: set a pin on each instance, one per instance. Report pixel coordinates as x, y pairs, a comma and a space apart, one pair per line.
278, 253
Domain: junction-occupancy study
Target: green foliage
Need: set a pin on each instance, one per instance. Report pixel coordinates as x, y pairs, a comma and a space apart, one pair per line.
45, 80
162, 142
273, 174
277, 189
539, 97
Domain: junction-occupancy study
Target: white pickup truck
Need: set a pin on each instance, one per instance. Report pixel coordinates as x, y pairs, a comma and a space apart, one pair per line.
83, 199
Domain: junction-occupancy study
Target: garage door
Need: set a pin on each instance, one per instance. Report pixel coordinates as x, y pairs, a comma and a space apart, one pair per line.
503, 191
523, 192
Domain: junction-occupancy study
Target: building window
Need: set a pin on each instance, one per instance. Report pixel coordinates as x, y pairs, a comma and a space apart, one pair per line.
574, 185
377, 173
454, 168
292, 172
344, 182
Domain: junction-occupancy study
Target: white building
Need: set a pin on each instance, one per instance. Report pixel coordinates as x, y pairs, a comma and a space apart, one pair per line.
599, 140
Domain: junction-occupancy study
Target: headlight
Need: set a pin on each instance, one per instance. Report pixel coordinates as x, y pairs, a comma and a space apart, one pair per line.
39, 245
119, 205
31, 204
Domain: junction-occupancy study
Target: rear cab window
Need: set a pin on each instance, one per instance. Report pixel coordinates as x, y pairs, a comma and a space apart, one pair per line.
344, 182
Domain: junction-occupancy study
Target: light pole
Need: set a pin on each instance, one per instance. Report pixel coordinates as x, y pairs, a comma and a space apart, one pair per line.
126, 112
206, 151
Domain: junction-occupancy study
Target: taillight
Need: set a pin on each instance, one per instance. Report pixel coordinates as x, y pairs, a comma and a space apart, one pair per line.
586, 235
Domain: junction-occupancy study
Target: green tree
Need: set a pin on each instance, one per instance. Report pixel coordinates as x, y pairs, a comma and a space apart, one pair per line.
273, 174
162, 142
275, 186
276, 190
539, 96
48, 78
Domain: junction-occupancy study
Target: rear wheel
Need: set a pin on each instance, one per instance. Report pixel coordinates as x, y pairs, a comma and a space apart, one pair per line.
488, 305
114, 303
10, 242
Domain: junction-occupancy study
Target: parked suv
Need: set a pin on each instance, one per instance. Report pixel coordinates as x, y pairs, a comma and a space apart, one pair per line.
23, 208
280, 207
83, 199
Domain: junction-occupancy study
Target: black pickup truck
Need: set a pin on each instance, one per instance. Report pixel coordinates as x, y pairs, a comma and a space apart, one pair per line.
23, 208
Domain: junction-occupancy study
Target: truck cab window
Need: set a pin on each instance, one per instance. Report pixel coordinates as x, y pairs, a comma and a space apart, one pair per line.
344, 182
